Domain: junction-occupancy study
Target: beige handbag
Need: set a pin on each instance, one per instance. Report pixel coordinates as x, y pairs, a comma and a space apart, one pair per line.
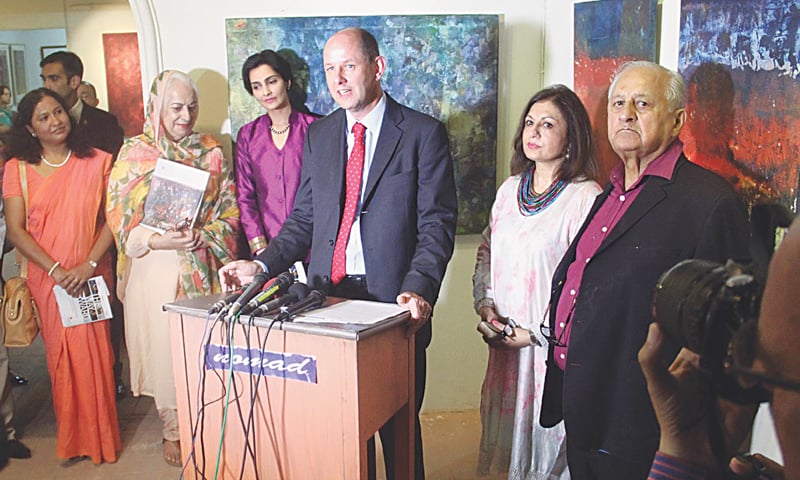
20, 315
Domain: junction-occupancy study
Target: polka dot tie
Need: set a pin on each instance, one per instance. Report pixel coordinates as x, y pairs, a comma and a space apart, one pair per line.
353, 172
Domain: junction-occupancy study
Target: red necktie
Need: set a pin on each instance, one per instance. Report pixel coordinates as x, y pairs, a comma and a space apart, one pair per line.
353, 172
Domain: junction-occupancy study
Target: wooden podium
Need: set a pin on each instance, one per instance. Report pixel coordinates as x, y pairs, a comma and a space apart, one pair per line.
300, 429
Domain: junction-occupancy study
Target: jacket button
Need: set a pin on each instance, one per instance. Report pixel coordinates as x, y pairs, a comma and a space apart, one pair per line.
326, 279
331, 242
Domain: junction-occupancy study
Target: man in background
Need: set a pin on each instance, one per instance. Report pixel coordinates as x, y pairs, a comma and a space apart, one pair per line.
87, 93
62, 72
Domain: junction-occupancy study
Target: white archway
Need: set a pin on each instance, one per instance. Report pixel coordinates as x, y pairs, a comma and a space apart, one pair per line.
150, 55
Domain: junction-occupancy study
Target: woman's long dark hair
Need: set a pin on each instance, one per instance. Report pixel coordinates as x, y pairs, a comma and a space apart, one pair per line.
581, 161
24, 146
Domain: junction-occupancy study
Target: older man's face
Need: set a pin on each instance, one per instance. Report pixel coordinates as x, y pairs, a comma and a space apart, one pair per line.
640, 124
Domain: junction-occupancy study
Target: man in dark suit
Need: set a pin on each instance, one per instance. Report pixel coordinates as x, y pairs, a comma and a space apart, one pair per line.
402, 234
62, 72
657, 210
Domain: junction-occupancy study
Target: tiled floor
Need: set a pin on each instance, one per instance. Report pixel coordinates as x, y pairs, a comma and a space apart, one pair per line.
450, 439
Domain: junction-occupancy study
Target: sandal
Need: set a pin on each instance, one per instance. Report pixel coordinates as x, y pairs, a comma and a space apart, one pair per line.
171, 450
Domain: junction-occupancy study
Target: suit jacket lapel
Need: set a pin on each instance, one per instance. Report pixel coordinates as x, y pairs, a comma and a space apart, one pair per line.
651, 195
336, 158
388, 138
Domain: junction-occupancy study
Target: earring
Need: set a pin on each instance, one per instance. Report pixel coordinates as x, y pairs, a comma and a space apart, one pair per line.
33, 135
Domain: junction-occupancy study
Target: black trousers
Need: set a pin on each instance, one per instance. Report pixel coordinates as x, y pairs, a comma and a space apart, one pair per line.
355, 287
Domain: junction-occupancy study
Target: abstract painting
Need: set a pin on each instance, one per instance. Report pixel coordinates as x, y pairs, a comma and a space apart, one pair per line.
609, 33
442, 65
124, 77
740, 61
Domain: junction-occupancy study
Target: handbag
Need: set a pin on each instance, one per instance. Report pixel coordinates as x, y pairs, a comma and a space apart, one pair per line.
20, 316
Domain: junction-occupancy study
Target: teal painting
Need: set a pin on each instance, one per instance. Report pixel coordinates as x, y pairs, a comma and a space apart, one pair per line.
442, 65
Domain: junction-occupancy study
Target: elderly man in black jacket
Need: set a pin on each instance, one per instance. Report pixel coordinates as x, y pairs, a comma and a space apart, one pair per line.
658, 209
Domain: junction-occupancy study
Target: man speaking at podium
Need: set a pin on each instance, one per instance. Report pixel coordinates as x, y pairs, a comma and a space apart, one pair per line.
376, 205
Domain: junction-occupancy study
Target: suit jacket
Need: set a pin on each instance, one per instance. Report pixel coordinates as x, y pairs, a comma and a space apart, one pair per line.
408, 215
102, 129
602, 391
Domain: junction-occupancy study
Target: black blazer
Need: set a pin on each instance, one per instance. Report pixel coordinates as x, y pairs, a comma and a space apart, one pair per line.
101, 128
408, 216
602, 394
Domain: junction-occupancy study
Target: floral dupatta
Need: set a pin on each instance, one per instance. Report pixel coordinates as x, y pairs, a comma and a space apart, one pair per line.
218, 216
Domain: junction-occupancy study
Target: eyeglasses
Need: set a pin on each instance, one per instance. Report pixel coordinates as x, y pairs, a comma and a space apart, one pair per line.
549, 333
742, 352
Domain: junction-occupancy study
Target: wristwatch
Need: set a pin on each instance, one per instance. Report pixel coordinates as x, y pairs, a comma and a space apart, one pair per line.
92, 263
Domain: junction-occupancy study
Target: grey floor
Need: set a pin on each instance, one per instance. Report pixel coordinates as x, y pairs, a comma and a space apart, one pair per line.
450, 439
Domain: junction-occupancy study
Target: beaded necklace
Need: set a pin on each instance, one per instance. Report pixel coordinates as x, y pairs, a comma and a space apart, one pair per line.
529, 202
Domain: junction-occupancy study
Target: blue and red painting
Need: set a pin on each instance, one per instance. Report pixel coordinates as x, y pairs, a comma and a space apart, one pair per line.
609, 33
740, 61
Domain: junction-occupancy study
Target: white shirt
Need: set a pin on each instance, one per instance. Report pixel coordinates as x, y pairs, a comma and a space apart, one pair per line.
354, 253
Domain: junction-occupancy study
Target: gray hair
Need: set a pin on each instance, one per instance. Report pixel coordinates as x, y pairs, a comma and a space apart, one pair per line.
177, 75
676, 87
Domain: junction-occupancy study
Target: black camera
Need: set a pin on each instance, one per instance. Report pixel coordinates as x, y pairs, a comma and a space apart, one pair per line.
701, 305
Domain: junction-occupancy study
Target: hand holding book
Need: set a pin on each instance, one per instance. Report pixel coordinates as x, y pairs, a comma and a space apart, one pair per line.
186, 239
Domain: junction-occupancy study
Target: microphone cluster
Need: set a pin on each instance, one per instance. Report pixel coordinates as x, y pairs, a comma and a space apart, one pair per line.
264, 296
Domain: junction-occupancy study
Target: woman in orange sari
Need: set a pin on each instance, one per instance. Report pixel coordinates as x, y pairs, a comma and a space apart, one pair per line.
63, 235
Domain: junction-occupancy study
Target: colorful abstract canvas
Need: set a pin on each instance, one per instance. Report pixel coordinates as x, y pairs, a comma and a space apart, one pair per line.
739, 58
442, 65
609, 33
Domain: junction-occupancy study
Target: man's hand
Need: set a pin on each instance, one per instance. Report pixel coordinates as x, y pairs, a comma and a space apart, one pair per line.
419, 308
238, 273
684, 402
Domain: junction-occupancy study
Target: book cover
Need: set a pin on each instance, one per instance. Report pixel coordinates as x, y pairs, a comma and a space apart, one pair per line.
176, 193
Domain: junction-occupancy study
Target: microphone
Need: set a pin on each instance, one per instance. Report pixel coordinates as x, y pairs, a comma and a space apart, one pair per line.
296, 292
258, 282
278, 286
221, 304
312, 301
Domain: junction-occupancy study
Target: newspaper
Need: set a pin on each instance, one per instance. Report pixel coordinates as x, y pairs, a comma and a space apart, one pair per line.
176, 192
91, 306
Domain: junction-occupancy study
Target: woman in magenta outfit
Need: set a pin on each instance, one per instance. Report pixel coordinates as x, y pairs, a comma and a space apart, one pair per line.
269, 150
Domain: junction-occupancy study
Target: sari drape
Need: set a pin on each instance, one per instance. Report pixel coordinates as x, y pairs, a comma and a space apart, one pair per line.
65, 217
156, 277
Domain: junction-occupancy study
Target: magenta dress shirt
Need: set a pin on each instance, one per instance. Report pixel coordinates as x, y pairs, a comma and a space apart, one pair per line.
267, 178
599, 227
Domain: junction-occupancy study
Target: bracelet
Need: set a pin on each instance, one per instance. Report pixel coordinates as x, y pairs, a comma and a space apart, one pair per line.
150, 241
92, 263
483, 302
53, 269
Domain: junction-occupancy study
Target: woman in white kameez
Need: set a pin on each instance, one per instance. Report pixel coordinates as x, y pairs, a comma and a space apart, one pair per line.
528, 232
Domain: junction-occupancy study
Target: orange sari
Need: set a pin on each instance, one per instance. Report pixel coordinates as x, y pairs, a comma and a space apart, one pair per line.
65, 218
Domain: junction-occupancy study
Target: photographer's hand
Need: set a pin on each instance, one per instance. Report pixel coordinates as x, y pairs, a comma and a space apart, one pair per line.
684, 403
756, 466
681, 399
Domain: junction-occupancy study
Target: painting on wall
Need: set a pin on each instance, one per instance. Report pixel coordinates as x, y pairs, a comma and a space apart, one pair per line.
609, 33
741, 66
19, 72
442, 65
5, 68
123, 76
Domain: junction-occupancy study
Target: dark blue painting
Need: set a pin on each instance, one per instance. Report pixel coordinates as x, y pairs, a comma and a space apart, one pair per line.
442, 65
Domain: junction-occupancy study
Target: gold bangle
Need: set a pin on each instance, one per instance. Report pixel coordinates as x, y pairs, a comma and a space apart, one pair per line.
150, 241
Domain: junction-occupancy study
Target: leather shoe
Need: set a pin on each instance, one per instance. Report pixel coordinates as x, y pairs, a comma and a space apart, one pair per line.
17, 449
